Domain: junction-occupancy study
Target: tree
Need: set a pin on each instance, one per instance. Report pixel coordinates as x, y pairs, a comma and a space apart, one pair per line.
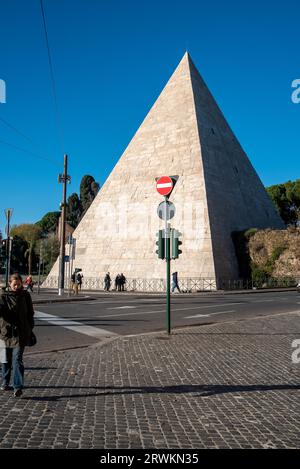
48, 223
286, 198
49, 249
74, 210
88, 191
18, 255
29, 233
293, 196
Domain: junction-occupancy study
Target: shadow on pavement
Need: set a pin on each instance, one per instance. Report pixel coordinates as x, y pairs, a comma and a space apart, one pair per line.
198, 390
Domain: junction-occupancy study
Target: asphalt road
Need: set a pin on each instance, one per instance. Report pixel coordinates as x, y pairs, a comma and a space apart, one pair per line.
70, 325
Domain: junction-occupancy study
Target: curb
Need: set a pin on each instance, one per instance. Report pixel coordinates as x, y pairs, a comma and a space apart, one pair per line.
61, 300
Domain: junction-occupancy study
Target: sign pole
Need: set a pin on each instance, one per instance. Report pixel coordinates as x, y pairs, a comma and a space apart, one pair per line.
168, 284
69, 266
166, 211
72, 258
168, 272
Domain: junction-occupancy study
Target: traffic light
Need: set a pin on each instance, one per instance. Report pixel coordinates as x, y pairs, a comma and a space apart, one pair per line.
176, 243
3, 252
160, 243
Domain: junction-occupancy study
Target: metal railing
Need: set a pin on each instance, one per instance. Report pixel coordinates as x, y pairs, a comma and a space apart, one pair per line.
186, 285
261, 283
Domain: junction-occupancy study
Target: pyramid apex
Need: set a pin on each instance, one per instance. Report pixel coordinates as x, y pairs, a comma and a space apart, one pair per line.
186, 59
186, 55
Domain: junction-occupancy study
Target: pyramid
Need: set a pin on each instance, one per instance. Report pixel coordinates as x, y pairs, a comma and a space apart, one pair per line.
218, 192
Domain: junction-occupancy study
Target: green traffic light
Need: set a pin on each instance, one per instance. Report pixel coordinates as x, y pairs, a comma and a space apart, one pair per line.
3, 252
160, 243
176, 243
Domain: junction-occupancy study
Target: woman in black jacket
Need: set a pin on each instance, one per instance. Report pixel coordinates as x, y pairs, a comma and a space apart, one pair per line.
16, 324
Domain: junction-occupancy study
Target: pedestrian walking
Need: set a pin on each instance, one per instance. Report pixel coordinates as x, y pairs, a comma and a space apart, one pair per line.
16, 325
175, 282
29, 283
76, 284
79, 280
122, 282
73, 280
107, 282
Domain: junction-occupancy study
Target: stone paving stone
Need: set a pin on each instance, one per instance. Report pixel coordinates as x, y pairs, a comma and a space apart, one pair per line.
229, 385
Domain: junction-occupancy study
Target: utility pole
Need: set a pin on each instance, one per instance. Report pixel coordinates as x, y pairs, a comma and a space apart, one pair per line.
63, 178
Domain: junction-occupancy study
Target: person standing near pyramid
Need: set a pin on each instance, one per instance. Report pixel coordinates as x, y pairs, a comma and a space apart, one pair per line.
107, 282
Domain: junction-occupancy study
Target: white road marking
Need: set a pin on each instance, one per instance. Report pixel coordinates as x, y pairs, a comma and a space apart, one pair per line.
264, 301
73, 325
123, 307
139, 313
114, 300
208, 315
164, 310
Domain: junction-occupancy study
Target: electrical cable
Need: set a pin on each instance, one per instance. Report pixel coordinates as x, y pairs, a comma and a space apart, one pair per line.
28, 151
58, 119
18, 131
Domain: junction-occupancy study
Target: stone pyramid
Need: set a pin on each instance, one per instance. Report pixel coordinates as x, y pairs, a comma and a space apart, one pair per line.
218, 192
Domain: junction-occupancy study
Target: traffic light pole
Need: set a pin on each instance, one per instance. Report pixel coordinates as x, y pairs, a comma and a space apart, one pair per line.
168, 273
166, 211
168, 261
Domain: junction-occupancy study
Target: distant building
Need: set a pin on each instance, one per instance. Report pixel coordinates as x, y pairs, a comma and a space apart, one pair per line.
69, 230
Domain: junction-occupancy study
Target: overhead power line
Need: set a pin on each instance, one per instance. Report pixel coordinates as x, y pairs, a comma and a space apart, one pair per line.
58, 119
17, 131
29, 152
20, 132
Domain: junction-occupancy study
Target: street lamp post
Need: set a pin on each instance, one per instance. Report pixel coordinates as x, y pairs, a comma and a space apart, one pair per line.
8, 214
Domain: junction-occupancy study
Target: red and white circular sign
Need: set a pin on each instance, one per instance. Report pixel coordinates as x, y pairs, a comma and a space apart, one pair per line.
164, 185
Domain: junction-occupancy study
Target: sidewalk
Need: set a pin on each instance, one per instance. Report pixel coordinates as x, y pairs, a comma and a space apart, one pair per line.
51, 296
229, 385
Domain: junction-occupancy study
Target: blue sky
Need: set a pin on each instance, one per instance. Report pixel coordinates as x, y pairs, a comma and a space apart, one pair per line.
112, 59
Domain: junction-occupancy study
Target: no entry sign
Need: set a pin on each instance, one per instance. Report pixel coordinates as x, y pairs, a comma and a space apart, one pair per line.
164, 185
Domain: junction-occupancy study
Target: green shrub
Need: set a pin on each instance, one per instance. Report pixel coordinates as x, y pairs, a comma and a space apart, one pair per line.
277, 253
259, 275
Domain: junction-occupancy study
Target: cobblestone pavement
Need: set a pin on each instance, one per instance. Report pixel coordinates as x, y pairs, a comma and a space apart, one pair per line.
230, 385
